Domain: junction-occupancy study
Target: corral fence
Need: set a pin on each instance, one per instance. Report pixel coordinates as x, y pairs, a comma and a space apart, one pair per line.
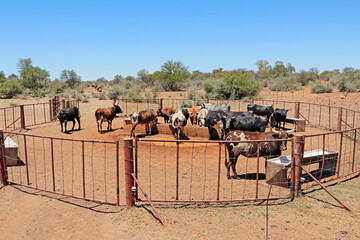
184, 170
27, 115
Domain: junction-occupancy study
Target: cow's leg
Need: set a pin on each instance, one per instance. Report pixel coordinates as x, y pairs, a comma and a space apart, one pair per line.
233, 161
73, 125
78, 120
65, 123
209, 128
61, 124
101, 122
132, 131
98, 126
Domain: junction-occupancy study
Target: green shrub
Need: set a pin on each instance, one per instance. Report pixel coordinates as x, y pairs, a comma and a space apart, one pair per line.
240, 85
186, 103
39, 93
321, 88
345, 85
83, 98
10, 88
134, 93
197, 96
115, 91
288, 83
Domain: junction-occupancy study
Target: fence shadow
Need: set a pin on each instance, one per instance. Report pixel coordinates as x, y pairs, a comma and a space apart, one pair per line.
92, 206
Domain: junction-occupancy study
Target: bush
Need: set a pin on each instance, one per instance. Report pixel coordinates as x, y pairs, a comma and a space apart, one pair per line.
186, 103
115, 91
345, 85
241, 85
134, 93
289, 83
39, 93
83, 98
196, 95
321, 88
10, 88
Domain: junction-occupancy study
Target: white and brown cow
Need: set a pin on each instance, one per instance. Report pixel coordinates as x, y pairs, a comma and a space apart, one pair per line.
147, 117
242, 146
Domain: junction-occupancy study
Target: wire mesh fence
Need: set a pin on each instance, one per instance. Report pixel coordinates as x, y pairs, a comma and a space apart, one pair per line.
85, 169
331, 156
195, 171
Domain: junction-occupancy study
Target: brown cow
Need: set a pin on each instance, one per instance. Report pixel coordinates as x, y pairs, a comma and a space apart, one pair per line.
193, 115
249, 149
166, 112
147, 117
107, 115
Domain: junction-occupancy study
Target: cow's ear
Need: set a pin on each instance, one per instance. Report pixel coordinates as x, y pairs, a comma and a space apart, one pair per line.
275, 135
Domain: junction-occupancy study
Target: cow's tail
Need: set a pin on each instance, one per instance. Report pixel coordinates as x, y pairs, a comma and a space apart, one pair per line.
78, 112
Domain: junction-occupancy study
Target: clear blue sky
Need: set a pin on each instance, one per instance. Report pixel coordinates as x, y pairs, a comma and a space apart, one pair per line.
105, 38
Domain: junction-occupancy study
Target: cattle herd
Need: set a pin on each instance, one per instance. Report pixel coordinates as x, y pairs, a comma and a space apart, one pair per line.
236, 127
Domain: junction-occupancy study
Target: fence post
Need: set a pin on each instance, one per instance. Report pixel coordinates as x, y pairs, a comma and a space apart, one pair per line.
297, 110
3, 168
67, 104
22, 116
51, 110
298, 154
129, 170
63, 103
160, 103
339, 118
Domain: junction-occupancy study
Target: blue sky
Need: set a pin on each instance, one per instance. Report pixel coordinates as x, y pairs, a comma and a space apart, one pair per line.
106, 38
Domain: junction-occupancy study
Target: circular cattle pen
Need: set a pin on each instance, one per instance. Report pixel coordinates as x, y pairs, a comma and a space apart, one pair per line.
103, 167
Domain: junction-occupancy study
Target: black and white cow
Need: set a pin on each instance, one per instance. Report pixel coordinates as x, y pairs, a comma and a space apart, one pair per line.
216, 106
267, 149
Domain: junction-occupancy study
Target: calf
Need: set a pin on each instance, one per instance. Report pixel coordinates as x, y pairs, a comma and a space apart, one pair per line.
216, 106
261, 110
202, 116
145, 117
194, 115
279, 116
165, 112
107, 115
219, 118
69, 114
268, 150
178, 122
252, 123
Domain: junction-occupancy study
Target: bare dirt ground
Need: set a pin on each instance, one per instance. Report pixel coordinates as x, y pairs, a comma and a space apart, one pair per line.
32, 214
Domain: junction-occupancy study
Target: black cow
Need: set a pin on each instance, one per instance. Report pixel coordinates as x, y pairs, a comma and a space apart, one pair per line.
69, 114
252, 123
241, 114
219, 118
279, 116
261, 110
267, 150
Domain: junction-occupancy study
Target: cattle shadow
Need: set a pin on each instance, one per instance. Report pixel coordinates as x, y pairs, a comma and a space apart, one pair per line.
251, 176
71, 131
111, 130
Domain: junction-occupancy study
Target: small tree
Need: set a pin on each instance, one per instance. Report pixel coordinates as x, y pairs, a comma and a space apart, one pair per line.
174, 74
70, 77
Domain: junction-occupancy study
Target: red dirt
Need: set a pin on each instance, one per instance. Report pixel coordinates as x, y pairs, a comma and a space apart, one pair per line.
26, 213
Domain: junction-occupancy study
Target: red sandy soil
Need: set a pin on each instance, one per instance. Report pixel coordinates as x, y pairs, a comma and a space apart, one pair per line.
32, 214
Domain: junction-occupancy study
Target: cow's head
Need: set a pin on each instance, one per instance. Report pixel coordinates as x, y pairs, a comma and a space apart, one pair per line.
158, 112
134, 118
116, 106
251, 107
282, 135
202, 106
61, 115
